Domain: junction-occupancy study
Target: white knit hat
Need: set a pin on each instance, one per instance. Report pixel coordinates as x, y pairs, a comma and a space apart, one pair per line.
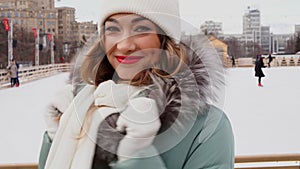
164, 13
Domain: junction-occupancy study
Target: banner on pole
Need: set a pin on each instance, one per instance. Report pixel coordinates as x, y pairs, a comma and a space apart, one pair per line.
6, 24
50, 37
34, 32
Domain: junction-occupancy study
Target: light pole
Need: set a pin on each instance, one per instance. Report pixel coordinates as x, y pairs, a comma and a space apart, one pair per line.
66, 48
51, 38
8, 26
36, 34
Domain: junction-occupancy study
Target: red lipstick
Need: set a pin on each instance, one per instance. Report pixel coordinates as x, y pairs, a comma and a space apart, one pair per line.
128, 59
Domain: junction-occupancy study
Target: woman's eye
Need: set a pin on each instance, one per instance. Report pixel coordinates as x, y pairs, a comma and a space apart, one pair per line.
142, 29
112, 29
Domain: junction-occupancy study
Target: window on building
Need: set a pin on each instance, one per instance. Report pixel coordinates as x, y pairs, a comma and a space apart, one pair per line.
41, 23
21, 14
22, 22
8, 14
2, 14
16, 14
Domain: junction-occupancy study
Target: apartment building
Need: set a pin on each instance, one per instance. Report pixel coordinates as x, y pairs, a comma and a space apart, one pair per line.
25, 15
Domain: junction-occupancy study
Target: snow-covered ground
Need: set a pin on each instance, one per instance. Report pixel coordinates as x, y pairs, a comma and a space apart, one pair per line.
22, 122
265, 119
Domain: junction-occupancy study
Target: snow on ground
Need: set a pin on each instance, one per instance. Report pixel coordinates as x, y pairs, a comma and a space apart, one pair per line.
21, 123
264, 119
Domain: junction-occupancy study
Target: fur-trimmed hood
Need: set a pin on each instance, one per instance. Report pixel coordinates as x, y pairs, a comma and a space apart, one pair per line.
199, 84
180, 99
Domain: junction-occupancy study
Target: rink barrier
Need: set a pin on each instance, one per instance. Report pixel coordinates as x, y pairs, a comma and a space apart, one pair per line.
278, 61
273, 161
19, 166
27, 74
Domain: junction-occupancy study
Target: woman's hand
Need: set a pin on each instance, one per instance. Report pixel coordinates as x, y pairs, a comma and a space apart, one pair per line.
140, 120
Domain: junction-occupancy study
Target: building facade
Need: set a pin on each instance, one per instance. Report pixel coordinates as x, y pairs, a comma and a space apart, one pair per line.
43, 16
297, 30
25, 15
67, 26
211, 27
251, 30
266, 40
279, 42
86, 30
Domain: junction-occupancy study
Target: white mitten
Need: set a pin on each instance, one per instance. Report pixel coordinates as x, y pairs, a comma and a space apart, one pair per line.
58, 105
141, 122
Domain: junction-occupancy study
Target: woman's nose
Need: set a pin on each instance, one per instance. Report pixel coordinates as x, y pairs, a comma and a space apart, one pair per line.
126, 45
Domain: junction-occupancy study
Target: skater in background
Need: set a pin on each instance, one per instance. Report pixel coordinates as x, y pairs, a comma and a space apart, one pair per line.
270, 59
233, 61
259, 64
13, 71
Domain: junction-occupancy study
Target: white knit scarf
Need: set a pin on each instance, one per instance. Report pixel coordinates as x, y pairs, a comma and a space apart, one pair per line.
68, 151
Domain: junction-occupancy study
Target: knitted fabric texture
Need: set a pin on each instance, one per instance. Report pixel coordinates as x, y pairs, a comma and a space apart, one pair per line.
164, 13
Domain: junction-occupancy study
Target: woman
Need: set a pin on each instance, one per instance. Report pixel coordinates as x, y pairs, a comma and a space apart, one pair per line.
259, 64
145, 98
13, 71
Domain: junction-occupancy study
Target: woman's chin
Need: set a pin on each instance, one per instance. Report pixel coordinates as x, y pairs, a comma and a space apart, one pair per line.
128, 75
125, 77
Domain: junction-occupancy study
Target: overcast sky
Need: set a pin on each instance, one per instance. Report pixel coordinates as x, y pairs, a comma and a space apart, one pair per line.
280, 15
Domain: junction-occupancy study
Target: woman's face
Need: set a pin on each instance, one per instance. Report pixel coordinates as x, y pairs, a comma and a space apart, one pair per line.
131, 43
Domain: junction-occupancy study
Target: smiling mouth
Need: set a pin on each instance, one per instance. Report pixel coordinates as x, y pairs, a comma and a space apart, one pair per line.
128, 59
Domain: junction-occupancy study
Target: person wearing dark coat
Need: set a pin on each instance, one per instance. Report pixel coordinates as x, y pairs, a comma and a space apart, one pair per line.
270, 59
259, 64
233, 61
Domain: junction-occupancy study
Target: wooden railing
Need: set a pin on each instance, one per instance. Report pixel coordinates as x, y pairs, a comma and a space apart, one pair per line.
19, 166
27, 74
277, 161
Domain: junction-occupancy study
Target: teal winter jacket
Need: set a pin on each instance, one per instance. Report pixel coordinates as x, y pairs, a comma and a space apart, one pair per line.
206, 139
208, 145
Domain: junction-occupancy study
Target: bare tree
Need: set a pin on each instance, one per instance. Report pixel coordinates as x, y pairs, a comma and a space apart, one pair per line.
291, 45
297, 45
234, 47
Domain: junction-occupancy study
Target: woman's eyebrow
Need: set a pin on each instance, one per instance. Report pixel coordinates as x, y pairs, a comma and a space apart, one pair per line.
138, 19
133, 21
111, 20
